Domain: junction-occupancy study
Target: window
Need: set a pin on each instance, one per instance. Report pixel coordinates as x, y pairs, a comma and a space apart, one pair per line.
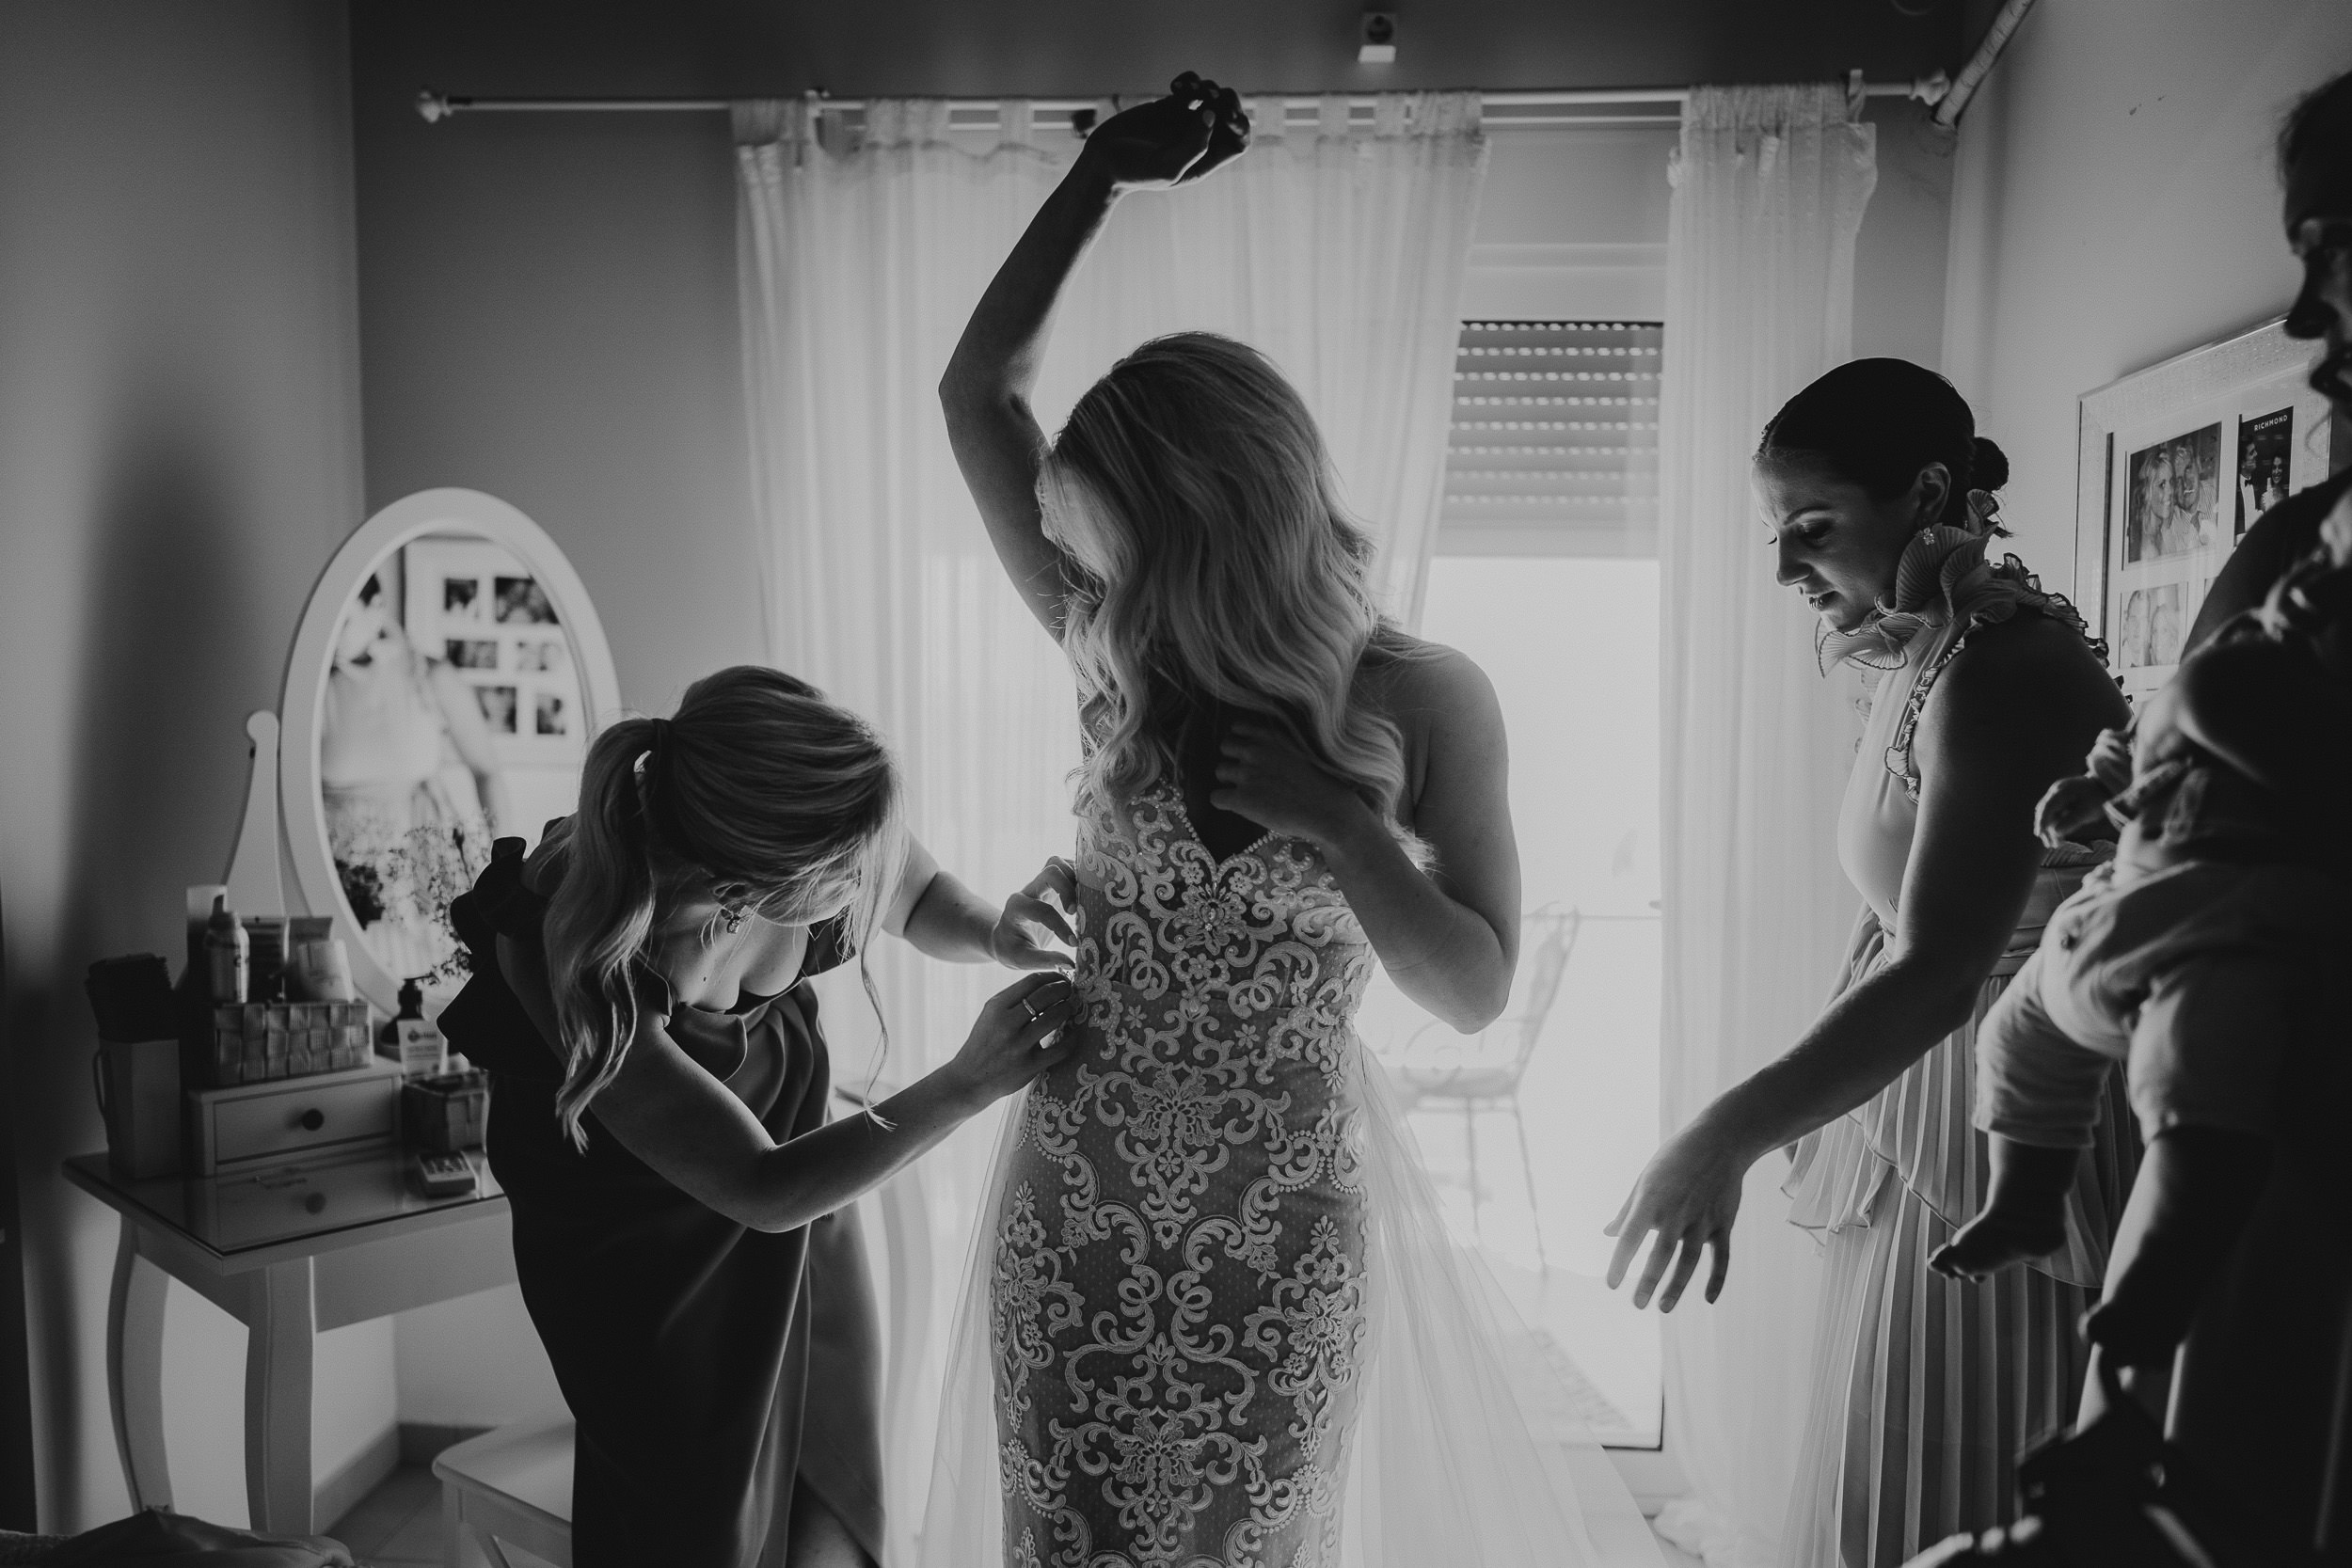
1554, 449
1546, 575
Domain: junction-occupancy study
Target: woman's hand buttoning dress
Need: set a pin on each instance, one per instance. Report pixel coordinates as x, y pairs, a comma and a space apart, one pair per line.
1214, 1319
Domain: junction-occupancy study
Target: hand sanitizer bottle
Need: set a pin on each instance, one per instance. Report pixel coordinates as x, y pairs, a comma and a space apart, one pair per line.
420, 1045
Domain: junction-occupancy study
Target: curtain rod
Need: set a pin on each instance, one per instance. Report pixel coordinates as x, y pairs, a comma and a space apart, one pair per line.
433, 106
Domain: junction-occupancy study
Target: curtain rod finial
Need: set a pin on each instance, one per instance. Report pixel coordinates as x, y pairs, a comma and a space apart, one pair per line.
1930, 90
432, 107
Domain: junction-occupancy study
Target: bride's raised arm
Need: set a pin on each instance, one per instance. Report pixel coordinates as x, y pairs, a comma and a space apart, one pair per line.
986, 387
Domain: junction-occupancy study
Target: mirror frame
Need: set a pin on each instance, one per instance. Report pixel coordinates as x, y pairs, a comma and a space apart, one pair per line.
303, 696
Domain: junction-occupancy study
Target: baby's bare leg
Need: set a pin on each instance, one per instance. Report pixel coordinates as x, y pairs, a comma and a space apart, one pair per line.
2025, 1212
2194, 1192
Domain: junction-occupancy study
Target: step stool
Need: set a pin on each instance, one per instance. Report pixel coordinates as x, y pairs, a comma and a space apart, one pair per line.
510, 1487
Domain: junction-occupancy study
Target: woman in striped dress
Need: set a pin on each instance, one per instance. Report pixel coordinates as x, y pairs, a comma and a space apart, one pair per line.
1878, 494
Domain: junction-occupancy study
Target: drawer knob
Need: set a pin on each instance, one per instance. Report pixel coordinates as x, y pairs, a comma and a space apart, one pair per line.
313, 1119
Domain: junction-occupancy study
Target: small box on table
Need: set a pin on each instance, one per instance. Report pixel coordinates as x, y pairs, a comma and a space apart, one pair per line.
445, 1113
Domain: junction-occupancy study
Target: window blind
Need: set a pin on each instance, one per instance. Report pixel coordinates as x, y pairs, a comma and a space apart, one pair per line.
1554, 445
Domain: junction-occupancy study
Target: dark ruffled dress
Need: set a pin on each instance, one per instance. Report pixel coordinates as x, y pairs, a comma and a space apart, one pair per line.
708, 1366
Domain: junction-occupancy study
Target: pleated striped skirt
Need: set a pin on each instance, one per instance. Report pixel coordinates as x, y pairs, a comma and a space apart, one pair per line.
1927, 1388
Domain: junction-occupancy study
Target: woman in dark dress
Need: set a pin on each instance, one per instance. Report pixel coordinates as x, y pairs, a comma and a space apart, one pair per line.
658, 1118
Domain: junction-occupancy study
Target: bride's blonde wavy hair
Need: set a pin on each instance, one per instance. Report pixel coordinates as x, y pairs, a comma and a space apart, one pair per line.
787, 803
1210, 559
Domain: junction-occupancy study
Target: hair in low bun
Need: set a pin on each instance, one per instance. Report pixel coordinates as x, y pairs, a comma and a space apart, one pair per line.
1878, 422
1988, 469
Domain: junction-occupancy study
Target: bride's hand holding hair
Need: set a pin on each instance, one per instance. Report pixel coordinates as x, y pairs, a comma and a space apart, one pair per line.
1263, 774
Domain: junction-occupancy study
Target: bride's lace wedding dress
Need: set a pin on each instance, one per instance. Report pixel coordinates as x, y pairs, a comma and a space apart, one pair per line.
1214, 1321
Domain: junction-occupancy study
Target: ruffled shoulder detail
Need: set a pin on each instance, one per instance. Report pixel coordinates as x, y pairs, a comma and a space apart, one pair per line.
502, 902
485, 1019
1945, 580
1981, 593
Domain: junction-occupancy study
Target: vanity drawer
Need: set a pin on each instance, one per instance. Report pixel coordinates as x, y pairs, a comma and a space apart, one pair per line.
259, 1124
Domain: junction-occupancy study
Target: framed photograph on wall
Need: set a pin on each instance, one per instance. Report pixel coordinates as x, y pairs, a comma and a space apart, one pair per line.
2176, 462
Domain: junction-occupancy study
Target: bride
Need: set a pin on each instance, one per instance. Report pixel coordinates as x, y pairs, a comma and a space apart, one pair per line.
1211, 1284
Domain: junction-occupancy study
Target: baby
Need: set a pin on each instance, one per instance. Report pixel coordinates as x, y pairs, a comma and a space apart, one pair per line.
2208, 954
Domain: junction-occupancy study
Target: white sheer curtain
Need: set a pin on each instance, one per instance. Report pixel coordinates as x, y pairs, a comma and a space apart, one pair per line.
1336, 249
1768, 189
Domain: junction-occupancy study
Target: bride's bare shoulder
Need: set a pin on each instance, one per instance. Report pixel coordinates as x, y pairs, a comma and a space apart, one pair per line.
1418, 680
1438, 697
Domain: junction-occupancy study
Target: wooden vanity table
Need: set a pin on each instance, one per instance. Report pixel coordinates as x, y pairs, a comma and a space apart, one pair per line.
290, 1252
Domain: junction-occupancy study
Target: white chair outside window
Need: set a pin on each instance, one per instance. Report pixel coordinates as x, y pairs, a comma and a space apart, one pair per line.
1438, 1068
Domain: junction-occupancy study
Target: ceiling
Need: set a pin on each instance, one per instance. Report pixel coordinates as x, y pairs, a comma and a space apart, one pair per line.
747, 48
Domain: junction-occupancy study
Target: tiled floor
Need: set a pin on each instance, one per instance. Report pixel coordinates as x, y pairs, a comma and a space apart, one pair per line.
398, 1524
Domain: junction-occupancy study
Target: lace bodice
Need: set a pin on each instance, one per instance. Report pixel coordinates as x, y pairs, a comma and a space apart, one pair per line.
1256, 954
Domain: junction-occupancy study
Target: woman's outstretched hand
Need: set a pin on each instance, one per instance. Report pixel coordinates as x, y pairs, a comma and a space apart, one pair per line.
1019, 940
1264, 775
1688, 1194
1019, 1032
1171, 140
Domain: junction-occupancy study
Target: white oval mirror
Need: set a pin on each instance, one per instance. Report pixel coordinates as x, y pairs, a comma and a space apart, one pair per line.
444, 683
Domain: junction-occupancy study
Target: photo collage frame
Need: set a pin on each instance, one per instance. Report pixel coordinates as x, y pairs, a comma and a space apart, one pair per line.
472, 605
2177, 461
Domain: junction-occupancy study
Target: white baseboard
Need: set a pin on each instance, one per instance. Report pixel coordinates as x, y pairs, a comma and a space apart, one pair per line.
361, 1474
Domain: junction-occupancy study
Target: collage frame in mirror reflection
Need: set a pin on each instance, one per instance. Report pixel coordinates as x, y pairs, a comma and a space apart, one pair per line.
452, 714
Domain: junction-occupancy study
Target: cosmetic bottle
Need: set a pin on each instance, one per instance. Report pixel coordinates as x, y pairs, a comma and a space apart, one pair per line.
228, 952
422, 1049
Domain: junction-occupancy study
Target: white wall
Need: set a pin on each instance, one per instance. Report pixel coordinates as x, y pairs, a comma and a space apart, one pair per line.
2115, 204
475, 1361
1574, 225
1900, 255
178, 454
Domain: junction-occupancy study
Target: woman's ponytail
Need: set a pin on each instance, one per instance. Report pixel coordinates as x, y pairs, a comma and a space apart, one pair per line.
600, 916
786, 804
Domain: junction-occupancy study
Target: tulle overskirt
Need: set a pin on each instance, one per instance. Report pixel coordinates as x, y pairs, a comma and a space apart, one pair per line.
1441, 1466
